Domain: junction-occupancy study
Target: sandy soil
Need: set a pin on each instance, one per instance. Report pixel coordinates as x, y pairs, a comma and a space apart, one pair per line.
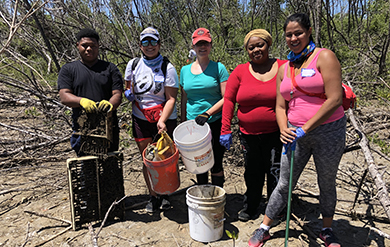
42, 190
35, 206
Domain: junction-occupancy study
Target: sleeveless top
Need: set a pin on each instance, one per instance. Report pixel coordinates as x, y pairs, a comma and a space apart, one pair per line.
303, 107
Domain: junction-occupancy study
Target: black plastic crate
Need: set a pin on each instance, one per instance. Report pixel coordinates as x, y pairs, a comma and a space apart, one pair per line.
94, 184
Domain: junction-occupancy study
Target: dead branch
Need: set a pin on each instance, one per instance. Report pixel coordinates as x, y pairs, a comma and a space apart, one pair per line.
351, 212
383, 194
13, 27
304, 227
41, 96
7, 142
360, 215
63, 157
17, 190
41, 30
377, 126
29, 147
380, 153
94, 236
384, 82
28, 229
379, 232
27, 132
49, 217
53, 237
359, 188
108, 212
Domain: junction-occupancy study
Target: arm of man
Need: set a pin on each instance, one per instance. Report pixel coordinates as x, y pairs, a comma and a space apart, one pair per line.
116, 99
68, 98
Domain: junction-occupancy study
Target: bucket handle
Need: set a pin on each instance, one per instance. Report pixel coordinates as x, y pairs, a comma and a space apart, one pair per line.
187, 158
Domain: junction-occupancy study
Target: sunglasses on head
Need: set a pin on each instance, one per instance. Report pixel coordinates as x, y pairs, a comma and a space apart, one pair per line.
145, 43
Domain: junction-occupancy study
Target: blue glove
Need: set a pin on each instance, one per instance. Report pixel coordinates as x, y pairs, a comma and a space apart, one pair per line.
300, 133
226, 140
129, 95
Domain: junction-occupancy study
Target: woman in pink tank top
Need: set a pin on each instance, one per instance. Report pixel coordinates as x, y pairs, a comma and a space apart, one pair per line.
309, 125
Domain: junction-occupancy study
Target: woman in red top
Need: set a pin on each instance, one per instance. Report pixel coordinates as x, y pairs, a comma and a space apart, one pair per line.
253, 86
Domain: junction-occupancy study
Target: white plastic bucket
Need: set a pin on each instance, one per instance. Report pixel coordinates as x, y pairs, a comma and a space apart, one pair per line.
206, 210
194, 144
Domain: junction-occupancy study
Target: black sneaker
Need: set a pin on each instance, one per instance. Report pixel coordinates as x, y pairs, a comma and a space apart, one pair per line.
329, 238
245, 214
152, 205
259, 236
164, 202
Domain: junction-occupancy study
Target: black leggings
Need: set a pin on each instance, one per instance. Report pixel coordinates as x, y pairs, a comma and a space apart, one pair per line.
262, 157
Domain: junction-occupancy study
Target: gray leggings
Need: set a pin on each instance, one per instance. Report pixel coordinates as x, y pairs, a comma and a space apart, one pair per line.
326, 143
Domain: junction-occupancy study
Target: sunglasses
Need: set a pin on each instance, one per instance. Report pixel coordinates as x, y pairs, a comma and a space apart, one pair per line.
145, 43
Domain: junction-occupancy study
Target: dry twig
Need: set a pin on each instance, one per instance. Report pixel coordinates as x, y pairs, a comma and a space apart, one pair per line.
94, 236
48, 216
379, 232
28, 229
53, 237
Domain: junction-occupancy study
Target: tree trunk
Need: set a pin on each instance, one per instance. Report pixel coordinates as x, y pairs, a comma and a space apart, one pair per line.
47, 42
382, 60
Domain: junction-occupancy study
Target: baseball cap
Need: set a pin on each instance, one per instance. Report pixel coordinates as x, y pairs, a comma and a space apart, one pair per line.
201, 34
150, 32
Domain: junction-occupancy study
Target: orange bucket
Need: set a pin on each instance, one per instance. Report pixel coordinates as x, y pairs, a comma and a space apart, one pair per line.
163, 175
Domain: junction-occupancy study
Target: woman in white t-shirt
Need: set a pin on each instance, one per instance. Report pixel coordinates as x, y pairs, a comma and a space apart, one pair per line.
152, 85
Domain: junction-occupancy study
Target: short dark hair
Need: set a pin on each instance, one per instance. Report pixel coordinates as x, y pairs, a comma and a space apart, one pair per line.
87, 32
301, 18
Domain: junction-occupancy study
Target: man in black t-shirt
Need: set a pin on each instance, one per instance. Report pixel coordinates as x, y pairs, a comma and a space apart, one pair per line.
85, 82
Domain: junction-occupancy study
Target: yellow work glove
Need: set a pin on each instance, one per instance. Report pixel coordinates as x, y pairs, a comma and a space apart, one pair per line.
88, 105
165, 147
104, 106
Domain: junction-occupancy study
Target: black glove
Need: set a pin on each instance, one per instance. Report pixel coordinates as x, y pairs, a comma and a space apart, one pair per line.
201, 119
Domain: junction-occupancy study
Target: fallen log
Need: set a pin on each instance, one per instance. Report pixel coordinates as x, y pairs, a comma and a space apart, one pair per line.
383, 194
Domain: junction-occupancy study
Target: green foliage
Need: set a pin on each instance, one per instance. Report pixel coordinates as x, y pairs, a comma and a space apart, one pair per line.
68, 112
383, 92
383, 145
357, 37
32, 111
233, 235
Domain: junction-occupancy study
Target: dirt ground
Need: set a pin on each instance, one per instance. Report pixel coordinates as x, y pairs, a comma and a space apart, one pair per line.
35, 207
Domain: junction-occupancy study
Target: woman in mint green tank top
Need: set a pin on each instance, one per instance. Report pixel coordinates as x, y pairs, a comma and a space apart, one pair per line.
202, 86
